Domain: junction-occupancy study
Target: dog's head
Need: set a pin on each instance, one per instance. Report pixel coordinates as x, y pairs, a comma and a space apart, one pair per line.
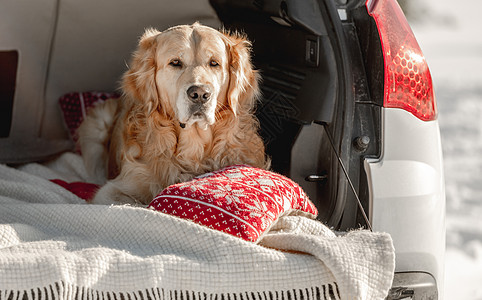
190, 73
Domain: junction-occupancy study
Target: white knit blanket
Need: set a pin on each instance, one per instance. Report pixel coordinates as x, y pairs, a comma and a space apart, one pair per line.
54, 246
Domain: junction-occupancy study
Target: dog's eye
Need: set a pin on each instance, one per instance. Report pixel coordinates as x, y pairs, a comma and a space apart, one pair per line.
175, 63
214, 63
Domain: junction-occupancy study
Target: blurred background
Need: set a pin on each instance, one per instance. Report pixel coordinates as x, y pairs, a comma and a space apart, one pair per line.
449, 35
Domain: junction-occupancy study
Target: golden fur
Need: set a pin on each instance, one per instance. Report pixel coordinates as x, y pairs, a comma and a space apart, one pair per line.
156, 135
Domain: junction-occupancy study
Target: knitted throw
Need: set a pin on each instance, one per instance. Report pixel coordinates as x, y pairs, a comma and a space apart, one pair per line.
54, 246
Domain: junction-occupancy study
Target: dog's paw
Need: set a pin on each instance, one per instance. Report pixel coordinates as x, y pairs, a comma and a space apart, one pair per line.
109, 194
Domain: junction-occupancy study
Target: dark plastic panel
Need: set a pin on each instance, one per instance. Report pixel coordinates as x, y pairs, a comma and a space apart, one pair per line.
293, 53
8, 79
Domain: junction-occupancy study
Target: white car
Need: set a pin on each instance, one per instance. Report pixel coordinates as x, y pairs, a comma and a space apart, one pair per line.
349, 112
348, 108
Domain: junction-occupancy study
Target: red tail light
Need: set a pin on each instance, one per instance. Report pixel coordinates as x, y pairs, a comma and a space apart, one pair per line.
408, 83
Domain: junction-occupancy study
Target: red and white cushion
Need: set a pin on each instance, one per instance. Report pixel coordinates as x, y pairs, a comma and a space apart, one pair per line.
239, 200
75, 105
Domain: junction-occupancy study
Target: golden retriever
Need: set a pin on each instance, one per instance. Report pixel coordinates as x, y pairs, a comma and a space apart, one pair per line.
186, 109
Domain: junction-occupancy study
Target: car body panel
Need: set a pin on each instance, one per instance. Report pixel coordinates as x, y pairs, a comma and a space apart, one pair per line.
407, 192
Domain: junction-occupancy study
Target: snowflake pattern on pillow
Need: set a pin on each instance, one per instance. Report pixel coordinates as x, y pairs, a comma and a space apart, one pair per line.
239, 200
75, 105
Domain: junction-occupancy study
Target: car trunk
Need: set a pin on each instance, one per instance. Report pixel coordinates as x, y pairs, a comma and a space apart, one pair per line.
317, 117
319, 111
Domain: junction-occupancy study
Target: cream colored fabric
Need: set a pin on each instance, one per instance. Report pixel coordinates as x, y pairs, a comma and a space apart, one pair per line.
66, 46
53, 245
94, 41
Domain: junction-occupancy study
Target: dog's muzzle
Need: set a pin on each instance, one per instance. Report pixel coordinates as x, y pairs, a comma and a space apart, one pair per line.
199, 94
199, 100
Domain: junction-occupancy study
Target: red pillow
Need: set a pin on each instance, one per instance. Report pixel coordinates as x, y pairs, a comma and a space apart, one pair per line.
83, 190
74, 106
240, 200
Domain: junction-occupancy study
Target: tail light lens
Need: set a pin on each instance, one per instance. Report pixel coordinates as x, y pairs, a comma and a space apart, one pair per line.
408, 83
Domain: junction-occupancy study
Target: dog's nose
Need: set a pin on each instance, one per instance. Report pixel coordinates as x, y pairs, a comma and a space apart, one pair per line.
199, 93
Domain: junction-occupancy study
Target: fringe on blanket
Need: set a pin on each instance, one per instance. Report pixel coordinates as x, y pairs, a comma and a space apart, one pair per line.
62, 291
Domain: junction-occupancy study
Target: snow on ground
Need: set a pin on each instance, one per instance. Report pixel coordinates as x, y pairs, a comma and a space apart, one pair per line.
449, 34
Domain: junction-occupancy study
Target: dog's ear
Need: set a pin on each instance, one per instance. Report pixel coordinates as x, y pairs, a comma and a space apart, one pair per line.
243, 83
139, 82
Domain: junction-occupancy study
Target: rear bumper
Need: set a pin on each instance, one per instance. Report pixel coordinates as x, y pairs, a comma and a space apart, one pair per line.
407, 193
413, 286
